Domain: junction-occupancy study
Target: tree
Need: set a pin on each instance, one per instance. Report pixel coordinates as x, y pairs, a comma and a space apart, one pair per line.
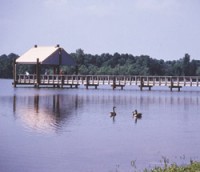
6, 65
116, 64
79, 56
186, 64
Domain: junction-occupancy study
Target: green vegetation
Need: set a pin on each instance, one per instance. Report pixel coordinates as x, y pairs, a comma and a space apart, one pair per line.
116, 64
193, 167
166, 166
127, 64
6, 65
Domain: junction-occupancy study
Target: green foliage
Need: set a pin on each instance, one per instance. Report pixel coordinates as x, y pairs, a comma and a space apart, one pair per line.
192, 167
127, 64
166, 166
6, 65
116, 64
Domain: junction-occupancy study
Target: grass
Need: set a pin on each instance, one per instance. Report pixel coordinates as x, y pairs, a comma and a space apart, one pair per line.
193, 166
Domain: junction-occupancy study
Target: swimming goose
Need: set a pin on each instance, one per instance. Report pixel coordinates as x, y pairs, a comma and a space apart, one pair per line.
137, 115
113, 113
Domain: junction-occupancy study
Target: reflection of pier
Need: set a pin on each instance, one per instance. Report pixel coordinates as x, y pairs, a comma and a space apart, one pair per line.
44, 113
113, 80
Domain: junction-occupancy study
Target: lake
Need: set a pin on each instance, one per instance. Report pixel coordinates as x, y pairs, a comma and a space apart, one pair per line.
52, 129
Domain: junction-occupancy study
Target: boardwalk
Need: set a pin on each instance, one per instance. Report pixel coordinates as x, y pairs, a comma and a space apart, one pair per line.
172, 82
112, 80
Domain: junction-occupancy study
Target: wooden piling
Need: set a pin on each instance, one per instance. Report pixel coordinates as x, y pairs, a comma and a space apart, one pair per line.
87, 82
37, 73
14, 73
141, 83
114, 82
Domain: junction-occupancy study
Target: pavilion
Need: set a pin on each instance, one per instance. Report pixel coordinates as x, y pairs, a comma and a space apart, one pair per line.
41, 55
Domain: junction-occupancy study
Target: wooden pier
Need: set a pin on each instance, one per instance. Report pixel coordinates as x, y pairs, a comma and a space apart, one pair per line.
61, 81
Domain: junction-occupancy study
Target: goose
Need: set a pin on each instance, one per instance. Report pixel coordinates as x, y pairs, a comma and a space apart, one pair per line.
137, 115
113, 113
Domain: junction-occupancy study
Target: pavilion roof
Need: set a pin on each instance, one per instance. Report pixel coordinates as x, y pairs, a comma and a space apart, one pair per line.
46, 55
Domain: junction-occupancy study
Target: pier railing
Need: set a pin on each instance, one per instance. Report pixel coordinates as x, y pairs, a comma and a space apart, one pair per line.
113, 80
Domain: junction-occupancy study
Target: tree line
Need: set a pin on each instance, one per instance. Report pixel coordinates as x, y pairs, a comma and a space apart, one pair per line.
112, 64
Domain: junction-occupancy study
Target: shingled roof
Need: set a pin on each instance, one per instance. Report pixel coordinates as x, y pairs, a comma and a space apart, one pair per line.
46, 55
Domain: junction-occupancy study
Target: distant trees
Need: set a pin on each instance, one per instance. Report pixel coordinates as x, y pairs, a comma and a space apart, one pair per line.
6, 68
127, 64
116, 64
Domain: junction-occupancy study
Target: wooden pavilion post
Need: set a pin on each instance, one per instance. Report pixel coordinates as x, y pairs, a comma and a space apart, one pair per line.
58, 66
141, 83
37, 73
59, 70
171, 83
14, 73
114, 82
59, 59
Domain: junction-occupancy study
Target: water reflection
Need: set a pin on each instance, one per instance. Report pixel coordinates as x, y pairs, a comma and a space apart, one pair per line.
44, 113
169, 125
141, 99
136, 119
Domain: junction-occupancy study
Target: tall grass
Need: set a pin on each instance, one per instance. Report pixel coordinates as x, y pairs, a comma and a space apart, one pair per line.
166, 166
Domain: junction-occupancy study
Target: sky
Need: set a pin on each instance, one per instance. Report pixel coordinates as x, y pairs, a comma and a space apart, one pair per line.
162, 29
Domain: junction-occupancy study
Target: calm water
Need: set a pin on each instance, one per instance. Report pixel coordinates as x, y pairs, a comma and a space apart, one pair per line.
48, 130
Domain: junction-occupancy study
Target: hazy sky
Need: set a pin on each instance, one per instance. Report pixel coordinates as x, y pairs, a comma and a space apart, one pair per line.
162, 29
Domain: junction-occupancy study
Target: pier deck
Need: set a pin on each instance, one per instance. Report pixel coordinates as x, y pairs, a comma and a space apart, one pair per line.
172, 82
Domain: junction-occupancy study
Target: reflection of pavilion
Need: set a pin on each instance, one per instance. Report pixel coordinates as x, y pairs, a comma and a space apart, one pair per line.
44, 113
